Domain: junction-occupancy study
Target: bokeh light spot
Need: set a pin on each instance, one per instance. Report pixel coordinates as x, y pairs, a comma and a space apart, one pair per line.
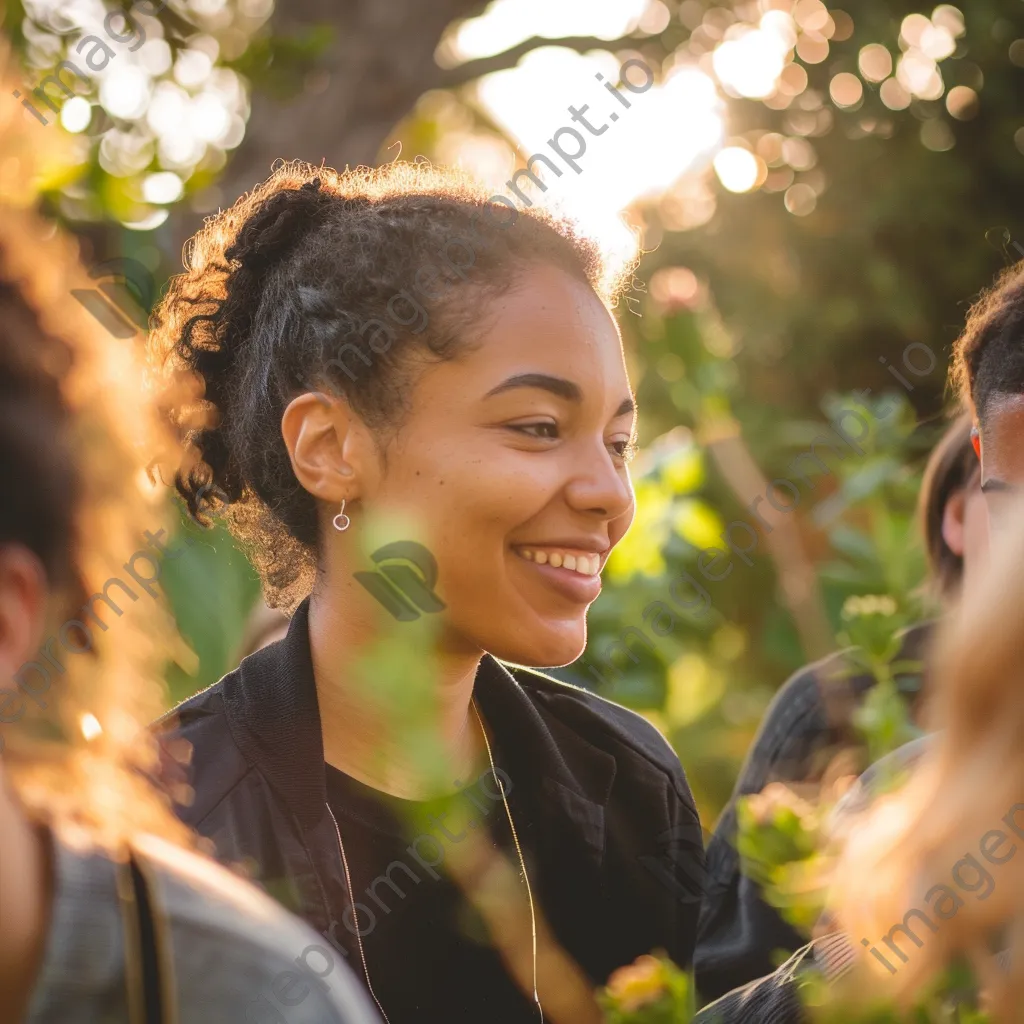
894, 95
750, 64
793, 80
769, 148
811, 15
846, 90
163, 187
875, 62
155, 56
800, 200
811, 50
799, 154
125, 92
919, 75
913, 28
843, 25
937, 42
655, 19
950, 18
737, 168
192, 68
674, 287
76, 114
962, 103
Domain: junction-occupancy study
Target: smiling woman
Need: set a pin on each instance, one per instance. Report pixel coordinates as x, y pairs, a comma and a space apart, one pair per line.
501, 426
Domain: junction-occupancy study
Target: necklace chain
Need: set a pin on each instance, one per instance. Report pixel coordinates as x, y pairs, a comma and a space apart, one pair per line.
522, 864
519, 850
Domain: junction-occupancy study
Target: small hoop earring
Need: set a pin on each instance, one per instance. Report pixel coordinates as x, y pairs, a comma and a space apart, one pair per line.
342, 521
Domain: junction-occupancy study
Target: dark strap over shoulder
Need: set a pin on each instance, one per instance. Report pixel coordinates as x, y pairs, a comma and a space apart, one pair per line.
148, 967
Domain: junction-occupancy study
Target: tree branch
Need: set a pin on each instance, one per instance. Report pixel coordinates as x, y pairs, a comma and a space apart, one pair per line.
472, 69
798, 581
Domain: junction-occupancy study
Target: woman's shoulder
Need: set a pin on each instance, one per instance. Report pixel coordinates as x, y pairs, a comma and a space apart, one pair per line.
228, 951
823, 694
609, 726
264, 957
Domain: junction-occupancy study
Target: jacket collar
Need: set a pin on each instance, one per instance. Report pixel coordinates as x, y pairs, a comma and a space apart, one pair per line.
271, 703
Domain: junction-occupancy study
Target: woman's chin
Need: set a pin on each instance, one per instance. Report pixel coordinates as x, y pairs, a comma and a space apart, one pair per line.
540, 651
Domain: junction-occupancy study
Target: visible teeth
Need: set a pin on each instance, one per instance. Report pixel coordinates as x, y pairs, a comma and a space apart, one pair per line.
585, 565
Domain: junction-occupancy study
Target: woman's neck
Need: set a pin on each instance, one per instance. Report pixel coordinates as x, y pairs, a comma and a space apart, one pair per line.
380, 732
25, 886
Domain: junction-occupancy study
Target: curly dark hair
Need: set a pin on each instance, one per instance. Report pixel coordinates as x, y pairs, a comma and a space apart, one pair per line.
988, 357
279, 294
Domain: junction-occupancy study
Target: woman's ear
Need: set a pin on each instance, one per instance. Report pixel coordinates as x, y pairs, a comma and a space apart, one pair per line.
953, 522
23, 595
326, 444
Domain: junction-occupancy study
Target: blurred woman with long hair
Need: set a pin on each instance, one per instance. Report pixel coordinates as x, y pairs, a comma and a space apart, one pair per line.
105, 915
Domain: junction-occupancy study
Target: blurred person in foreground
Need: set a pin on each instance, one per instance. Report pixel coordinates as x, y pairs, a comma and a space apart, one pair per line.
988, 372
393, 342
102, 914
810, 721
933, 875
927, 881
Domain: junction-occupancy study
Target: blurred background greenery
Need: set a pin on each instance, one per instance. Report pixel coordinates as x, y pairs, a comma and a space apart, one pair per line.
814, 189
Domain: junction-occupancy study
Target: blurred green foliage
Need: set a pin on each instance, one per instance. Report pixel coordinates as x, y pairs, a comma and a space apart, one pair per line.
211, 587
950, 999
652, 990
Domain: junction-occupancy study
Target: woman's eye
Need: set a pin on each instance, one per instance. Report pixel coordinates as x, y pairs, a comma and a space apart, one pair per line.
625, 450
546, 430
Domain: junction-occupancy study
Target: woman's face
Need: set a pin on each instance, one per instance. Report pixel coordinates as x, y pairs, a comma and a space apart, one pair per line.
1002, 459
512, 460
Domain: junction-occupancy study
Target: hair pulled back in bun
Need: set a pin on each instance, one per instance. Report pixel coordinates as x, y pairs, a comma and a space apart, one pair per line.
307, 283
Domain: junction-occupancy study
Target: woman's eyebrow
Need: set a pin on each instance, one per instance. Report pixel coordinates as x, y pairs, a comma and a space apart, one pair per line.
559, 386
556, 385
993, 485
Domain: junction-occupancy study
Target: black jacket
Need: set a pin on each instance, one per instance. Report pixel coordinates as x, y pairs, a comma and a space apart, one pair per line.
618, 839
809, 720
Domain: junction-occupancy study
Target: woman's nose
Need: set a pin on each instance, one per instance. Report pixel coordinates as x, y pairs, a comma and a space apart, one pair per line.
598, 486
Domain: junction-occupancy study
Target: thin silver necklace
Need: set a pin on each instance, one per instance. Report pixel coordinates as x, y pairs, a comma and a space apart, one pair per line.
522, 864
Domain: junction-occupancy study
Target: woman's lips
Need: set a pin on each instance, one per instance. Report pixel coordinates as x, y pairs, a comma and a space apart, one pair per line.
580, 582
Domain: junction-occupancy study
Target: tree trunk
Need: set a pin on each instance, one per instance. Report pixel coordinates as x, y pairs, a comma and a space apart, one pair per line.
379, 64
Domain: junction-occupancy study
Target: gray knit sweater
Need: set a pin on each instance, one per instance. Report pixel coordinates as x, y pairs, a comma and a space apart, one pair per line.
237, 955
